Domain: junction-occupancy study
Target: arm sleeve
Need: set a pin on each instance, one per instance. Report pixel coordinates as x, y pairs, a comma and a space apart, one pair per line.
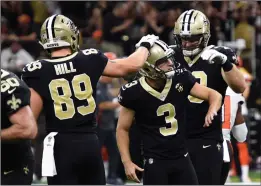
125, 98
188, 80
32, 78
18, 99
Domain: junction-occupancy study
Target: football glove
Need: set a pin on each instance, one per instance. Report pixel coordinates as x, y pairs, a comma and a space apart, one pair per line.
147, 41
213, 56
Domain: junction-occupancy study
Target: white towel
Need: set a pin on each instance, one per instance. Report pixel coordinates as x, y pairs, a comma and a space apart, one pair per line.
48, 163
226, 157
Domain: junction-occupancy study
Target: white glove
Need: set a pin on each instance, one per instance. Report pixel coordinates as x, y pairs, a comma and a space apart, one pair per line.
213, 56
147, 41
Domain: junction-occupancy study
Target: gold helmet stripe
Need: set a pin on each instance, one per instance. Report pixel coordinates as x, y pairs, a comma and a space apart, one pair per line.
50, 27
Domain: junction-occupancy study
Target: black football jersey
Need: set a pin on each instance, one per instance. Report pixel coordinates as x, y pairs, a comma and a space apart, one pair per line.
67, 87
160, 115
208, 75
14, 95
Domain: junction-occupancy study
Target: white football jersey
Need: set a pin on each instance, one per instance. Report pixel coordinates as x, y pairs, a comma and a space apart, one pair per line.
229, 111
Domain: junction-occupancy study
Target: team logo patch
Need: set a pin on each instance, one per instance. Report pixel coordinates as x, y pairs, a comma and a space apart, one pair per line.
14, 103
179, 87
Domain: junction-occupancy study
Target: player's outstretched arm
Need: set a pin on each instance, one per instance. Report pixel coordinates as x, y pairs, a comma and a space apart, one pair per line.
239, 130
235, 79
226, 57
23, 125
213, 97
124, 66
122, 134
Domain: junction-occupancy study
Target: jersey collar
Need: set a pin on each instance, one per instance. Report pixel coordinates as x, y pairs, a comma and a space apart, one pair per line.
160, 95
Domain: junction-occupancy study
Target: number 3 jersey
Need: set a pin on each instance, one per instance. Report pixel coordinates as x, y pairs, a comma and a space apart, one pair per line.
67, 87
160, 114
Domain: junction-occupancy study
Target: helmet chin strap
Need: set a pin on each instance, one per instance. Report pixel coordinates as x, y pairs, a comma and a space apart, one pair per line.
189, 53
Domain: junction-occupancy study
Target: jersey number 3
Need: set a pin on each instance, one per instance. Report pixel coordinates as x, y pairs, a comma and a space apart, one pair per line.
170, 109
61, 94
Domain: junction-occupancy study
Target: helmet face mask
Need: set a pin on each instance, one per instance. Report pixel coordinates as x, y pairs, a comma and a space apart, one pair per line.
160, 54
192, 26
59, 31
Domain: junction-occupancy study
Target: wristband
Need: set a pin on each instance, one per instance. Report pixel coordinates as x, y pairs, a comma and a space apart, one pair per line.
227, 66
146, 45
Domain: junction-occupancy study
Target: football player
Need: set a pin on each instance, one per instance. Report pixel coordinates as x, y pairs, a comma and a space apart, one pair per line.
233, 120
157, 100
18, 127
65, 86
213, 67
234, 109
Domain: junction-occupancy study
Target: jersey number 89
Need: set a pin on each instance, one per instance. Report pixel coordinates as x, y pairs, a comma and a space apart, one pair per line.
65, 99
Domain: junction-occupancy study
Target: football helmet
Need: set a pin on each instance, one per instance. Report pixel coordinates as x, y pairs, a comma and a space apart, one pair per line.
192, 25
159, 53
59, 31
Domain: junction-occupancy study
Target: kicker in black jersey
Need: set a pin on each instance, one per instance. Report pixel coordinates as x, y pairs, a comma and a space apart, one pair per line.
68, 88
160, 114
208, 75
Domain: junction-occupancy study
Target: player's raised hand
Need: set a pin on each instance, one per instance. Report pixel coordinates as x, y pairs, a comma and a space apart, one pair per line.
213, 56
209, 117
147, 41
130, 171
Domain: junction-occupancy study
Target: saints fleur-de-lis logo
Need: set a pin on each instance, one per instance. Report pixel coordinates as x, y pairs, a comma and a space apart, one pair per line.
26, 170
179, 87
14, 103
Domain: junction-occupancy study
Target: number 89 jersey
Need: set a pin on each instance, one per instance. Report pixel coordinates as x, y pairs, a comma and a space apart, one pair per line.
160, 114
67, 87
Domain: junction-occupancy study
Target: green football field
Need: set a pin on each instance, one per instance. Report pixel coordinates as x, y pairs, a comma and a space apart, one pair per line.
255, 176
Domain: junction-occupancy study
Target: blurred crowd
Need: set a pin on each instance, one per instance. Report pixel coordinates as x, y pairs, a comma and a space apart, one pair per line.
113, 26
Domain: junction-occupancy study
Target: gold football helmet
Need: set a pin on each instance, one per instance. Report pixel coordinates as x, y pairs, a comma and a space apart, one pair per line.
192, 25
59, 31
159, 53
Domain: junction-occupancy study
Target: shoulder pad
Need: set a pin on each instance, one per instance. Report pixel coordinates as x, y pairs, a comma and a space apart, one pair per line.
33, 66
129, 85
4, 74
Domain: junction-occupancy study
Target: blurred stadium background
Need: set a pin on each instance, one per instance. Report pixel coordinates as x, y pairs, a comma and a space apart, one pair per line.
117, 26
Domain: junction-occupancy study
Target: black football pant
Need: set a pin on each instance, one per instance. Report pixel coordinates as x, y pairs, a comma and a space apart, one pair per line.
169, 172
226, 165
207, 158
22, 175
78, 160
